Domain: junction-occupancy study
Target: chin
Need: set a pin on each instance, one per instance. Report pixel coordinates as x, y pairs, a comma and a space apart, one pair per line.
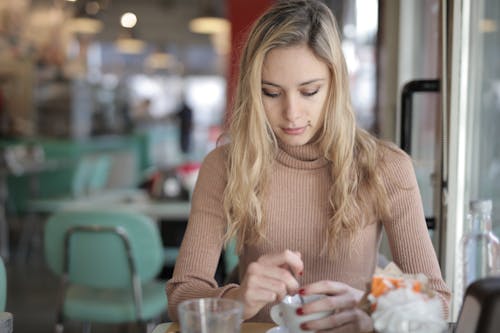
295, 141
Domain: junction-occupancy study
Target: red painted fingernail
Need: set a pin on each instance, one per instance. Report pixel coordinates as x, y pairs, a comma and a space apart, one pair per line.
299, 311
302, 291
304, 327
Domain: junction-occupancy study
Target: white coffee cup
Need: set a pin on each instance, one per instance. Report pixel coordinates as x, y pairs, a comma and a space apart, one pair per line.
285, 313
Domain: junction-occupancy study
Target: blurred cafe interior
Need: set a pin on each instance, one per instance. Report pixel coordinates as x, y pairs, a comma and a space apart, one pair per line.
115, 103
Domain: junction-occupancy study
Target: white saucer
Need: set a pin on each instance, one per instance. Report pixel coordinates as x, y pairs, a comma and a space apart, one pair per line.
278, 329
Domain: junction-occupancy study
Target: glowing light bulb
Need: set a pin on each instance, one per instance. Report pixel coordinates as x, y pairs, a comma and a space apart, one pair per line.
128, 20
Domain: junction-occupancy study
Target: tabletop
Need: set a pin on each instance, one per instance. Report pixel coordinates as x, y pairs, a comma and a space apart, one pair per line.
245, 328
126, 199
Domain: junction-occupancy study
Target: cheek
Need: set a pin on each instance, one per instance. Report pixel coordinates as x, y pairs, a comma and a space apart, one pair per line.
273, 120
319, 115
317, 111
271, 111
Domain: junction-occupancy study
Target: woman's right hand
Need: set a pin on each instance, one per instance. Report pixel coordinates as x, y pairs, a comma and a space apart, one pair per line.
267, 280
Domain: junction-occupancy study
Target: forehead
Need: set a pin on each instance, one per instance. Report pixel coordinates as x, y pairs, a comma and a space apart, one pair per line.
293, 64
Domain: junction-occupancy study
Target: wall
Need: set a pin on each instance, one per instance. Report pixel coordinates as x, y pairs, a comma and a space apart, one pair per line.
241, 15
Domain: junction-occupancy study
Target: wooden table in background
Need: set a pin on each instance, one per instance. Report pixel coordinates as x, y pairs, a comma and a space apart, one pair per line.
245, 328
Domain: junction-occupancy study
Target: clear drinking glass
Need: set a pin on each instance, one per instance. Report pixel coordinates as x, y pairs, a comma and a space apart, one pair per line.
210, 315
6, 322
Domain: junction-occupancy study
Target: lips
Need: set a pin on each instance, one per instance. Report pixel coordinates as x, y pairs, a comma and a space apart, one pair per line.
294, 130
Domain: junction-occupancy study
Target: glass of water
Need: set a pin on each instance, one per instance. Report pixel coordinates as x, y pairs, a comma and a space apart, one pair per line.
210, 315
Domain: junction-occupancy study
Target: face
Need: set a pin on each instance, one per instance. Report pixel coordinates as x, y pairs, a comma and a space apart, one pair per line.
295, 86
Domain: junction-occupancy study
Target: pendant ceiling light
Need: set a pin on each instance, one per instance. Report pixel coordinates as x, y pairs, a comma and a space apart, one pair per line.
85, 20
160, 60
128, 42
130, 45
210, 20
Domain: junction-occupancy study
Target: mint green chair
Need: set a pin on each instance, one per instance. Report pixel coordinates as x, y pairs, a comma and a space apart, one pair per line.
91, 174
100, 173
108, 262
231, 260
3, 286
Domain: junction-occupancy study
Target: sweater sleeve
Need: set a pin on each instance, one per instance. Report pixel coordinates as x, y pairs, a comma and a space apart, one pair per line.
409, 239
201, 246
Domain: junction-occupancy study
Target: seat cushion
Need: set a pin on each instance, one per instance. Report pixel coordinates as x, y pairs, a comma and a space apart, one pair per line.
113, 306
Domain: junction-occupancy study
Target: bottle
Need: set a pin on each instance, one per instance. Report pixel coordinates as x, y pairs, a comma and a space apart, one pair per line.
481, 248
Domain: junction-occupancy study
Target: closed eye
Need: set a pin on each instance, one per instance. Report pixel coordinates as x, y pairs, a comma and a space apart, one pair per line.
310, 93
270, 94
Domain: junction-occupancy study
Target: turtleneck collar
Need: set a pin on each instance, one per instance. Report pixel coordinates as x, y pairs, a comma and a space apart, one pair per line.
307, 156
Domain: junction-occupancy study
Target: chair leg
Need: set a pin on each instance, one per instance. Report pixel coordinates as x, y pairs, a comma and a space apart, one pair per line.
150, 326
86, 327
59, 328
25, 240
143, 326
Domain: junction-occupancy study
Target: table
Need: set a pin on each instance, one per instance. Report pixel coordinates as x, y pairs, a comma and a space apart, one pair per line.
163, 211
119, 199
245, 328
29, 167
131, 200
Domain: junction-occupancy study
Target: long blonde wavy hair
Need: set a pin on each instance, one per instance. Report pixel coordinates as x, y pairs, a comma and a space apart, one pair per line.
352, 152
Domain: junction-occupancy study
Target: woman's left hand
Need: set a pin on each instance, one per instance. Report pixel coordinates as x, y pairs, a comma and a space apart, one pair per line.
342, 300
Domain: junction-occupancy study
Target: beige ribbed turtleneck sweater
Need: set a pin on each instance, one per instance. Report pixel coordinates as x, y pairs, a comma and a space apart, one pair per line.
296, 213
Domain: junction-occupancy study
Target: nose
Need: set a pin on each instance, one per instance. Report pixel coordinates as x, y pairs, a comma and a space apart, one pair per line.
291, 110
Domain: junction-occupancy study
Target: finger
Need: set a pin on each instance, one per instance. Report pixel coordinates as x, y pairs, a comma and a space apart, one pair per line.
326, 287
348, 328
273, 272
335, 320
286, 258
298, 270
277, 279
258, 295
255, 299
275, 286
345, 301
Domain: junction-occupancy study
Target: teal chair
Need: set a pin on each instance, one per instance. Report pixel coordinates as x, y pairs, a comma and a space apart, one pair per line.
3, 286
91, 174
231, 258
108, 262
100, 173
231, 261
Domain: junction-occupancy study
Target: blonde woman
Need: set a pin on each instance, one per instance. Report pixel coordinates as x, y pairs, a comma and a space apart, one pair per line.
304, 191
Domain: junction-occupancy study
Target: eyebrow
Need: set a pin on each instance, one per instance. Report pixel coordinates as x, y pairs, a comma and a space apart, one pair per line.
301, 84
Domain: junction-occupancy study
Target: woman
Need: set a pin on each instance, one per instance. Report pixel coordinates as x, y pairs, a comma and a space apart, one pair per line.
303, 190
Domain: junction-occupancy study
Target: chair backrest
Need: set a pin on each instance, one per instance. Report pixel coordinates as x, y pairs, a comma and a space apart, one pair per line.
82, 172
231, 258
100, 173
3, 286
99, 259
91, 174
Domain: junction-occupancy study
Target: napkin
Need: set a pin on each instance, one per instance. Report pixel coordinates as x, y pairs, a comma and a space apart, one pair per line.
400, 303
